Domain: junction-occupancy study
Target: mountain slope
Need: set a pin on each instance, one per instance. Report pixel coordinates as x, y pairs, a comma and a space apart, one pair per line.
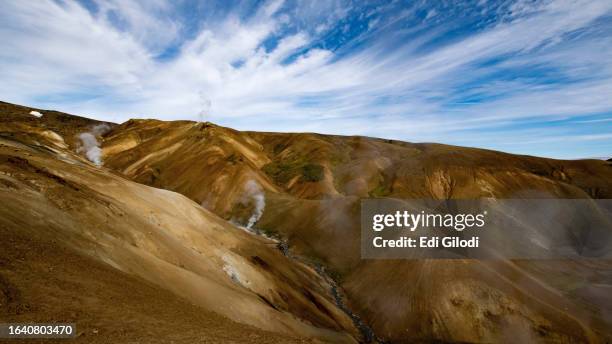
52, 195
45, 280
312, 185
305, 190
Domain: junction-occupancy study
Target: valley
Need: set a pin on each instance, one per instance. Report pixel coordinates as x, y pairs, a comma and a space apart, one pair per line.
167, 211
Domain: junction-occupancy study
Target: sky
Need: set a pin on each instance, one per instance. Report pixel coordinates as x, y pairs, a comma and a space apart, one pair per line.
528, 77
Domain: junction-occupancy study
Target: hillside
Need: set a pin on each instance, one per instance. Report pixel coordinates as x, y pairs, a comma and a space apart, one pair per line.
313, 184
53, 196
304, 190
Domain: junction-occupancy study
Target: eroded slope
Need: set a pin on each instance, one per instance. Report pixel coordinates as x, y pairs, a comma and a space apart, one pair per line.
55, 196
312, 185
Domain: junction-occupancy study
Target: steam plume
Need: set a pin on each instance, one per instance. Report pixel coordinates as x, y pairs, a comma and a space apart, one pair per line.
206, 105
255, 193
90, 145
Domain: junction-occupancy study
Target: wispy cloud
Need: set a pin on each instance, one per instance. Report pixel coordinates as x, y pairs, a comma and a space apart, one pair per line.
475, 74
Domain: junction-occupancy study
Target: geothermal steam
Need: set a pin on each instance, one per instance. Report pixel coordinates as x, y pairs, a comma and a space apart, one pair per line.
254, 193
90, 145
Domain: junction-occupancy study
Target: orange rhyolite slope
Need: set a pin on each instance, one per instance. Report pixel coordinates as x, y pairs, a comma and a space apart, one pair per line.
305, 189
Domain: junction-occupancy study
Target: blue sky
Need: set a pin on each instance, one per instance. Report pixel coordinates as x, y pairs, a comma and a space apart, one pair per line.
529, 77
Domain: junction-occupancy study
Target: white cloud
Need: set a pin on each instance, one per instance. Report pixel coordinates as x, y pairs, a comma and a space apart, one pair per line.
147, 22
62, 56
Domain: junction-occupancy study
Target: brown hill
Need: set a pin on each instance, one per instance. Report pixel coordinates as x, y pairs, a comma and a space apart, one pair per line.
305, 188
313, 184
54, 197
43, 280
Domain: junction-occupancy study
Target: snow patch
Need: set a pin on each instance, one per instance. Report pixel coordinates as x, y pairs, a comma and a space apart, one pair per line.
36, 114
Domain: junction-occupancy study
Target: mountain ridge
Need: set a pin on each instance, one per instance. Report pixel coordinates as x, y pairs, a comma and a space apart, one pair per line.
311, 184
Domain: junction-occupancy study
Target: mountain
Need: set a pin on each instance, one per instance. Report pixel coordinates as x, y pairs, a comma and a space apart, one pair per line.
53, 197
173, 206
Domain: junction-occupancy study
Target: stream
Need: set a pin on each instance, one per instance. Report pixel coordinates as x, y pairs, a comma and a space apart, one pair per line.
367, 334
